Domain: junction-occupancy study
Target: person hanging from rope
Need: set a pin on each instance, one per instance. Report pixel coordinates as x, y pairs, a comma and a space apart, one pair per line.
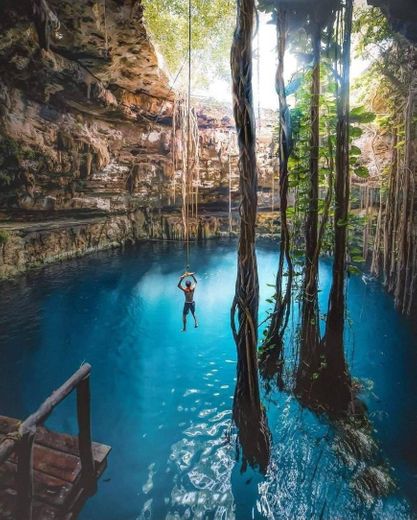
189, 304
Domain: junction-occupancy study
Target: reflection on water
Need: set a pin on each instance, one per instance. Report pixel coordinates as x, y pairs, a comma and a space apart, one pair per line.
163, 399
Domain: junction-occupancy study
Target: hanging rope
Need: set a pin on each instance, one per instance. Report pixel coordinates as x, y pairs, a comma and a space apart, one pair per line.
198, 171
195, 170
187, 177
174, 149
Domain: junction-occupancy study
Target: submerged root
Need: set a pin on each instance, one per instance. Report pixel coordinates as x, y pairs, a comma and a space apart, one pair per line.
373, 482
333, 403
253, 435
354, 442
355, 445
325, 386
271, 366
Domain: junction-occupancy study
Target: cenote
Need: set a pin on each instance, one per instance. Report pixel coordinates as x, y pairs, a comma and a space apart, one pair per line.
162, 399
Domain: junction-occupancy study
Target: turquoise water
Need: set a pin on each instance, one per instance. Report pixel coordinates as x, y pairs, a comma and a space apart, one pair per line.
162, 399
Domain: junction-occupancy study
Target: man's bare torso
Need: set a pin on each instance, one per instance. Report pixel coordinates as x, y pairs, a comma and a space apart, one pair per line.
189, 294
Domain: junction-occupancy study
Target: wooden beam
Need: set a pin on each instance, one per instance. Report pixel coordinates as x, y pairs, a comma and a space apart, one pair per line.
88, 473
43, 412
24, 476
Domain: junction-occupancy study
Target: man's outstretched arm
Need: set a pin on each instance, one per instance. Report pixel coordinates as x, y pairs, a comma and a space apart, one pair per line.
194, 278
180, 283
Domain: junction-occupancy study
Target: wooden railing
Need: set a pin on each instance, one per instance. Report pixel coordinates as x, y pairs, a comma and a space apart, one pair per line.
22, 441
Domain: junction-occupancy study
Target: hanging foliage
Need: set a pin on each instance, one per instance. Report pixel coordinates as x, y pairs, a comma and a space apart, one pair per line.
390, 85
332, 387
212, 22
309, 328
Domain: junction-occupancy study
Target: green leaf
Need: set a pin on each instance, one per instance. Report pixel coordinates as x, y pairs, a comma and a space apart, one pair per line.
355, 151
361, 171
341, 223
361, 115
355, 132
352, 269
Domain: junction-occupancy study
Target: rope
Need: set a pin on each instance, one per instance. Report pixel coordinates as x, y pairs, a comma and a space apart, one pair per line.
12, 436
197, 144
187, 176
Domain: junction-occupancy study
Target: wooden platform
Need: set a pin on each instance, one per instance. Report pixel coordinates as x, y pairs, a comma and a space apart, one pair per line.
57, 487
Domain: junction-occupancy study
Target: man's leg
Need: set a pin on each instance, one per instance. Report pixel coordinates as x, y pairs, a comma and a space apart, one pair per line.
193, 313
184, 321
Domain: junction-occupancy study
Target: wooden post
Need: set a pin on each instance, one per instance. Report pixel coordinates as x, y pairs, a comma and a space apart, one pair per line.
88, 473
24, 477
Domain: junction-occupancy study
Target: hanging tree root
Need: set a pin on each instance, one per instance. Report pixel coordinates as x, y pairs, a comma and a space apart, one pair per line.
271, 356
248, 413
326, 383
309, 330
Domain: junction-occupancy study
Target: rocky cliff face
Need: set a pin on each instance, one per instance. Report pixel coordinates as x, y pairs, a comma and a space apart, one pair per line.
92, 137
87, 114
84, 106
24, 245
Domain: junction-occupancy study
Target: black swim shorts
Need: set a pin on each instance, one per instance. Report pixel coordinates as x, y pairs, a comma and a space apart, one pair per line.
189, 306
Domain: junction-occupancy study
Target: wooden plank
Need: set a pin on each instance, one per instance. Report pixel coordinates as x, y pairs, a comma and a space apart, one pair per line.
41, 511
51, 490
65, 505
46, 488
55, 440
57, 490
60, 463
77, 504
54, 463
69, 444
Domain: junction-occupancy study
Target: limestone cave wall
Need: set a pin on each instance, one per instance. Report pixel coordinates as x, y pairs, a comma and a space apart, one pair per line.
86, 113
90, 138
82, 109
